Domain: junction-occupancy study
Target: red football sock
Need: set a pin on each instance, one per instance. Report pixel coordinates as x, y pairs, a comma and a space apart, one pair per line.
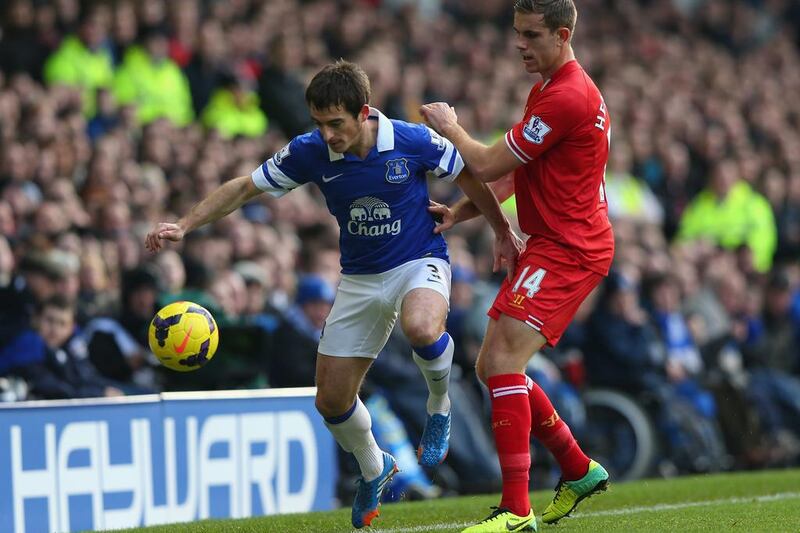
511, 424
551, 431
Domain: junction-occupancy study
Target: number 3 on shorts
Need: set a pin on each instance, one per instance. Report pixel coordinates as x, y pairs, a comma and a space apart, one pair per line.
435, 276
531, 282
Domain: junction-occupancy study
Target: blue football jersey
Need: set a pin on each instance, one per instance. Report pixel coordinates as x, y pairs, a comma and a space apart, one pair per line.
381, 202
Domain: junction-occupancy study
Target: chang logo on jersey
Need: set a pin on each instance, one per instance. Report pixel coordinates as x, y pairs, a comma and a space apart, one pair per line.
370, 217
397, 171
535, 130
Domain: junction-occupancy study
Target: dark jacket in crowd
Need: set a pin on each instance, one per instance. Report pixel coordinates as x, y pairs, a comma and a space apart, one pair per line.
16, 308
294, 356
620, 353
65, 372
282, 99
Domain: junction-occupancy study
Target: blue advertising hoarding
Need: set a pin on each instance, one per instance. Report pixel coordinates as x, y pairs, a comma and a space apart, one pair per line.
176, 457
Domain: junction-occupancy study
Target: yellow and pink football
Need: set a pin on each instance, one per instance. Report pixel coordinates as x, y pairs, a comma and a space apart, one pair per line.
184, 336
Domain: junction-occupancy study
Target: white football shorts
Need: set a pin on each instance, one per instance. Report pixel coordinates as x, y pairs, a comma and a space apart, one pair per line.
367, 306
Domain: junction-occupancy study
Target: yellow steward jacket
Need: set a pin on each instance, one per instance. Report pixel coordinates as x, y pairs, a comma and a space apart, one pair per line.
743, 217
76, 65
157, 88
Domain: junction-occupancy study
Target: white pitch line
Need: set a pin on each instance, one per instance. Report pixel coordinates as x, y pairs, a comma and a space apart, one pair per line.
423, 529
615, 512
686, 505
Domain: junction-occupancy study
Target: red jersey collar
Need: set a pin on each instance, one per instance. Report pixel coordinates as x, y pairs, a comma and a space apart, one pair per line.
563, 70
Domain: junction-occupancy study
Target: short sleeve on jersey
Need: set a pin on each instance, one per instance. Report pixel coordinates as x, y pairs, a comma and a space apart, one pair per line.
551, 118
440, 156
282, 172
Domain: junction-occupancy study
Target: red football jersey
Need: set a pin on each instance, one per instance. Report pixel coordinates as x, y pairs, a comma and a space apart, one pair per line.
563, 141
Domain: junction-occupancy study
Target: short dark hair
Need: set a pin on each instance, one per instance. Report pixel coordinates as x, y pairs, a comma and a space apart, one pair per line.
57, 301
341, 84
557, 13
658, 280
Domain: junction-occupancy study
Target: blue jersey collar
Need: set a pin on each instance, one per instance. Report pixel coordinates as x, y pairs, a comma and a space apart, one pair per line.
385, 139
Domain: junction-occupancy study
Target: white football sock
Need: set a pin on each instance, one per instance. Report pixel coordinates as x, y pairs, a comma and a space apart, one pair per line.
436, 369
354, 435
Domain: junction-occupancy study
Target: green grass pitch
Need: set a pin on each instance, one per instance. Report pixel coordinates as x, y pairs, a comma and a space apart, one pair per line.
767, 501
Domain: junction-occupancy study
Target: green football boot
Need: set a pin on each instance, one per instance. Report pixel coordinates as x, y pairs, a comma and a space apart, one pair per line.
570, 493
502, 520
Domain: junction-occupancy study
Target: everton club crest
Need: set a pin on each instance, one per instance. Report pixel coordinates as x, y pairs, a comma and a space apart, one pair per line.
397, 171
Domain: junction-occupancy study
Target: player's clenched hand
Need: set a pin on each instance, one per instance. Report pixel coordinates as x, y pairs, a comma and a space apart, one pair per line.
162, 231
439, 115
443, 215
507, 248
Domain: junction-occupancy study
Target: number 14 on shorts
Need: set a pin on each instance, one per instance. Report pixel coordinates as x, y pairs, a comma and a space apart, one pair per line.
530, 282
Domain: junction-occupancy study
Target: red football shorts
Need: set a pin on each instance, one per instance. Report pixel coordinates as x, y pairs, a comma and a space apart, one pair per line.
547, 289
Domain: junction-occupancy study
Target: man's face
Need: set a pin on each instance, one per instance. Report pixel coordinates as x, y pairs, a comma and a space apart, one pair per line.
725, 176
538, 46
326, 265
142, 301
339, 129
256, 297
157, 47
41, 285
172, 269
317, 312
666, 297
55, 326
6, 261
94, 31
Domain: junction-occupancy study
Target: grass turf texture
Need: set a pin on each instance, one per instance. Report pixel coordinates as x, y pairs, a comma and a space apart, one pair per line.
766, 501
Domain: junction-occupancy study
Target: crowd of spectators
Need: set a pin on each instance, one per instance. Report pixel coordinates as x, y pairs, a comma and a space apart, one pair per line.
117, 114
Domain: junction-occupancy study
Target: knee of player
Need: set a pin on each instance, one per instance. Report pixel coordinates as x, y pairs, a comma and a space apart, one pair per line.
332, 403
422, 332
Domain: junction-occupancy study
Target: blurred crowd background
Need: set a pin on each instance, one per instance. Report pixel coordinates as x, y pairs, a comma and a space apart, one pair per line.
117, 114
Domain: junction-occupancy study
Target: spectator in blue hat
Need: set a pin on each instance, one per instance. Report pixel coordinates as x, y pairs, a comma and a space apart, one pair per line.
315, 298
461, 302
293, 358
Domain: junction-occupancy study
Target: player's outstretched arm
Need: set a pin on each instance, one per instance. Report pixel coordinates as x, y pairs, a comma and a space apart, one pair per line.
226, 198
487, 163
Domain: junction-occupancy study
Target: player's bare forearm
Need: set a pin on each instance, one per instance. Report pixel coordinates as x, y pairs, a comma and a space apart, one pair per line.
480, 200
226, 198
465, 208
216, 205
